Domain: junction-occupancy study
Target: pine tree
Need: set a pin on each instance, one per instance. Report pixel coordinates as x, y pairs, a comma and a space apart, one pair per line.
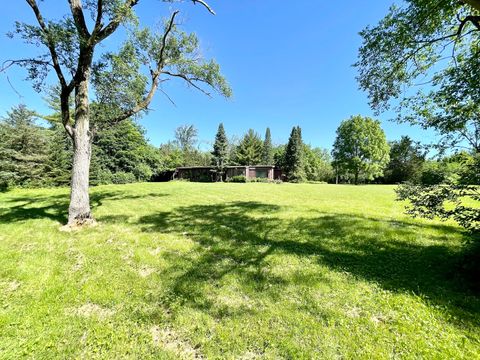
267, 158
294, 157
220, 152
23, 149
249, 151
60, 153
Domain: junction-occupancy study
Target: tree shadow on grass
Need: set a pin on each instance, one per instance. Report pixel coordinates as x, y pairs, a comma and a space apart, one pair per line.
237, 238
55, 207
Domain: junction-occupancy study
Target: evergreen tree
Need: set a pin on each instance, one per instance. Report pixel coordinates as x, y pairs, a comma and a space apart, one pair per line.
267, 149
59, 162
293, 161
220, 151
249, 151
23, 149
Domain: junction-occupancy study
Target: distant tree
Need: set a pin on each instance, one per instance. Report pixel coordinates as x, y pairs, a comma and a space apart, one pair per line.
187, 137
360, 148
59, 158
293, 163
123, 148
128, 79
171, 156
317, 164
267, 157
406, 162
249, 150
220, 152
23, 149
279, 156
199, 157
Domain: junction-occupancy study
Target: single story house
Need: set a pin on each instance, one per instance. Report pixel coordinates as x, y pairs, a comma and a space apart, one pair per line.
207, 173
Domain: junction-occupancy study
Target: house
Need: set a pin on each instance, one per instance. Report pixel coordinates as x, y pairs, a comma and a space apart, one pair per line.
207, 173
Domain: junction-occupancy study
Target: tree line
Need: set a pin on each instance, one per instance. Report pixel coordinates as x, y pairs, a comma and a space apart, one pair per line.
36, 152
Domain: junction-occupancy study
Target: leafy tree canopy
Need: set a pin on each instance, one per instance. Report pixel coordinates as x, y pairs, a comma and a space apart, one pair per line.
361, 148
412, 41
406, 161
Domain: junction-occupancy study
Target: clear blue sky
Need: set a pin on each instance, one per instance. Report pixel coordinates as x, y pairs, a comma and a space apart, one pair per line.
289, 63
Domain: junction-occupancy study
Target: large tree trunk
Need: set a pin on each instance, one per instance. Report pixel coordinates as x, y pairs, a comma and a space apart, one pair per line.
79, 211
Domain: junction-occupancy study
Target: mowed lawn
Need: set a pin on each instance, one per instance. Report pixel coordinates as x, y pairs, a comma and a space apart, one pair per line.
186, 270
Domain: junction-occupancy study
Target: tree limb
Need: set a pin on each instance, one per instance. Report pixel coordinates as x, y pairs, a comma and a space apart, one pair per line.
98, 21
142, 105
189, 80
210, 10
110, 28
9, 63
50, 43
79, 19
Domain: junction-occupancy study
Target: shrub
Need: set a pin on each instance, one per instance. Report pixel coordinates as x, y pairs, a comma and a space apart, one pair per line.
238, 179
5, 186
143, 172
123, 178
102, 177
260, 180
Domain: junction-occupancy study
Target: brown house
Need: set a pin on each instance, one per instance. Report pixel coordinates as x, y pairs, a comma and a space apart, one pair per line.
206, 173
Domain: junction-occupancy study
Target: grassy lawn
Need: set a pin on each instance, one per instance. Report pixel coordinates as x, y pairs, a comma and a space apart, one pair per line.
185, 270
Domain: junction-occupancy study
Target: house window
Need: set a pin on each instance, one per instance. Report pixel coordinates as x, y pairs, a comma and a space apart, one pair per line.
261, 173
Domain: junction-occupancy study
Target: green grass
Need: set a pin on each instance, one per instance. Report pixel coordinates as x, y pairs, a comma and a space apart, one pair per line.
185, 270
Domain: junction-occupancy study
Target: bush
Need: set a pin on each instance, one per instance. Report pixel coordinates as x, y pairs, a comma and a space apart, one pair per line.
5, 186
143, 172
260, 180
102, 177
238, 179
123, 178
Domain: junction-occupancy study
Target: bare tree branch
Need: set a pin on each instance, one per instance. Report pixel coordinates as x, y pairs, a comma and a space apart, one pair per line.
9, 63
210, 10
189, 80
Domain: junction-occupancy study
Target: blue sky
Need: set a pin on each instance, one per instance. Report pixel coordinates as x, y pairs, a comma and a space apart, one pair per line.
289, 63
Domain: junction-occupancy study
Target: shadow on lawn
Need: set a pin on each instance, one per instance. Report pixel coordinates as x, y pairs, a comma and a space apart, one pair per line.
236, 238
56, 207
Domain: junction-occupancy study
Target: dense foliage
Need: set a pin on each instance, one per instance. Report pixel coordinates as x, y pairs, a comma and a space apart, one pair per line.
23, 149
434, 44
360, 150
34, 153
250, 149
406, 162
293, 161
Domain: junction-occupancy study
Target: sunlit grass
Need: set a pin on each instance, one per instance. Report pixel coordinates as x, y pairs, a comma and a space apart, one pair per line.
184, 270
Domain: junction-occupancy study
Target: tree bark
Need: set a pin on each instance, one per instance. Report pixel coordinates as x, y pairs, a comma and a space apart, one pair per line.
79, 212
356, 177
